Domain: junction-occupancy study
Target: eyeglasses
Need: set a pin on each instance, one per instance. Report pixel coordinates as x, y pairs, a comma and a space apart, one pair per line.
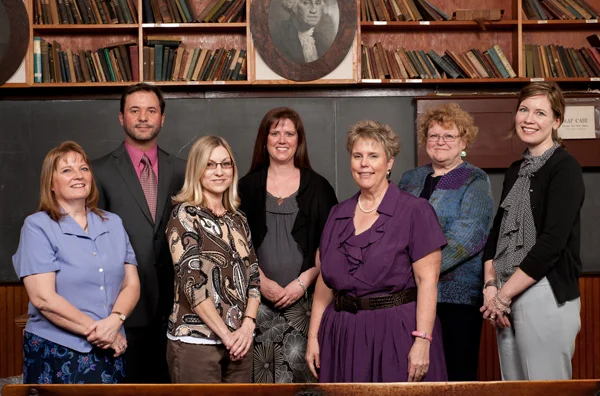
224, 165
446, 138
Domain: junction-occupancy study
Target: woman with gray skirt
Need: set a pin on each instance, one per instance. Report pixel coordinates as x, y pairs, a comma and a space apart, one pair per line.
532, 262
287, 204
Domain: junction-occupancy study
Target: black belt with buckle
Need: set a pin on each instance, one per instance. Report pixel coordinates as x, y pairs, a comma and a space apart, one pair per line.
344, 302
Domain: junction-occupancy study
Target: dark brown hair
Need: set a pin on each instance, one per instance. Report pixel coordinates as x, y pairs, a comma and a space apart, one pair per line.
552, 91
260, 157
143, 87
48, 202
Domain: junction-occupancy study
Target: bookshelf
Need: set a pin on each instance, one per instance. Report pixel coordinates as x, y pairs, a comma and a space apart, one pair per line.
513, 33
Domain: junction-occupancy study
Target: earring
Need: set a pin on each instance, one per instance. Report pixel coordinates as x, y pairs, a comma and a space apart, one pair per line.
463, 153
388, 173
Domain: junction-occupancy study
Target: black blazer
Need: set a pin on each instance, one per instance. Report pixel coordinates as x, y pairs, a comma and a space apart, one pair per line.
315, 199
557, 194
121, 193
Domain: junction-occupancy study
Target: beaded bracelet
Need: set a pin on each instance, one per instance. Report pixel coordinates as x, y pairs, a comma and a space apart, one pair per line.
303, 287
422, 334
507, 305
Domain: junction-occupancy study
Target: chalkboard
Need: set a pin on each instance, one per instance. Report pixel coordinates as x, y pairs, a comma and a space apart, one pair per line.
30, 128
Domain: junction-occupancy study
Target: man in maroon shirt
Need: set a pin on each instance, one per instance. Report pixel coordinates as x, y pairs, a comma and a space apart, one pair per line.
136, 181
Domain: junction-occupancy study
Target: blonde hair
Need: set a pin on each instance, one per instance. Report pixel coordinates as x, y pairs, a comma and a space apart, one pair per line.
48, 202
373, 130
198, 157
447, 115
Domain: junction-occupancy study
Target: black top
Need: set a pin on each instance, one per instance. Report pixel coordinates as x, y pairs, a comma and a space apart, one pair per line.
429, 186
557, 194
315, 198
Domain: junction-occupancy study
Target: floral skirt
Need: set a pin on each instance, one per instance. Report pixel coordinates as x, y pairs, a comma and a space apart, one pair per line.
45, 362
280, 343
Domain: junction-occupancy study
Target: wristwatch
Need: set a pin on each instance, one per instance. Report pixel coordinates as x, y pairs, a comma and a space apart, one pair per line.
120, 315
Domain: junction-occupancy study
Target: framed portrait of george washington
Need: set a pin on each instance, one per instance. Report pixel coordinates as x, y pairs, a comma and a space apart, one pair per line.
303, 41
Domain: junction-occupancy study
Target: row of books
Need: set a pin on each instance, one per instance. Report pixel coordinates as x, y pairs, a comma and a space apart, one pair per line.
381, 63
50, 12
165, 63
179, 11
400, 10
113, 63
558, 61
559, 9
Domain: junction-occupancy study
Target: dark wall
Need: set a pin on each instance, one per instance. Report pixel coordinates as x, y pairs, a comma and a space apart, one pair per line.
30, 128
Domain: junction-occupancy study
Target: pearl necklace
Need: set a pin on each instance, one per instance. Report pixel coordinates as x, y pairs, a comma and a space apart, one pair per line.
366, 211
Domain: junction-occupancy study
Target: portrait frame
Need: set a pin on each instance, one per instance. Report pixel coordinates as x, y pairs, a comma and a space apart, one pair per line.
339, 64
14, 58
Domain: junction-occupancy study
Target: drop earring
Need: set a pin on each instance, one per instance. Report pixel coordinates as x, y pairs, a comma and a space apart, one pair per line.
463, 153
389, 174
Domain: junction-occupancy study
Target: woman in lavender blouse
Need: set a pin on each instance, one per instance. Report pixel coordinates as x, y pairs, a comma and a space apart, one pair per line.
81, 278
373, 315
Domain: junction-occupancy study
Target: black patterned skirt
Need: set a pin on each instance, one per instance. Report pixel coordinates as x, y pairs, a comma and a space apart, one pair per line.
45, 362
280, 343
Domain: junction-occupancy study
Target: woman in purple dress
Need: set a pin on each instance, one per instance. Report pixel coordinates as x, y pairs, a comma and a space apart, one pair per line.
373, 316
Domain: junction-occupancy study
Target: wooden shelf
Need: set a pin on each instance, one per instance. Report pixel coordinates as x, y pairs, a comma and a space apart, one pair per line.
445, 81
202, 26
562, 24
85, 28
86, 84
437, 25
185, 83
511, 34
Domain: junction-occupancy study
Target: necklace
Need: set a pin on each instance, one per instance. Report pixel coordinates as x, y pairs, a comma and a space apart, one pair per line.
215, 213
366, 211
279, 199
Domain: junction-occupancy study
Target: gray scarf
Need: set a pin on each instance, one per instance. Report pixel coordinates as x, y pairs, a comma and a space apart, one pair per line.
517, 230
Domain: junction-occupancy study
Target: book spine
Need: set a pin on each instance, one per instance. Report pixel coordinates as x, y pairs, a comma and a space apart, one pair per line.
85, 72
504, 61
158, 61
442, 64
37, 60
147, 15
499, 65
45, 61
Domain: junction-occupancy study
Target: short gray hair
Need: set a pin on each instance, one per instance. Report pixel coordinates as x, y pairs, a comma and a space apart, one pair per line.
373, 130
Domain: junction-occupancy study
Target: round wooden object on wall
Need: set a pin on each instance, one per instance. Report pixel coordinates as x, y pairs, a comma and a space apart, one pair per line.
14, 37
284, 53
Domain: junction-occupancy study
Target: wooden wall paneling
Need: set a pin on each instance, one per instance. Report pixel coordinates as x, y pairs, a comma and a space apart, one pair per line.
586, 361
13, 303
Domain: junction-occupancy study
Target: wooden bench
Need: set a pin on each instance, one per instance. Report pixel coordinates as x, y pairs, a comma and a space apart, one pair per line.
523, 388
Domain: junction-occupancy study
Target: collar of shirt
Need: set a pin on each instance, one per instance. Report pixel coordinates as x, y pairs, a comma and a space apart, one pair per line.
387, 205
136, 156
96, 226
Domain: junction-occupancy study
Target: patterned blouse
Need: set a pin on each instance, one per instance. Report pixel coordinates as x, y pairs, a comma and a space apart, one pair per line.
213, 257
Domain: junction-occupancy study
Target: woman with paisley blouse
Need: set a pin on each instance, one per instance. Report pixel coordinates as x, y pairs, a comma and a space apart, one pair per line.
217, 293
287, 204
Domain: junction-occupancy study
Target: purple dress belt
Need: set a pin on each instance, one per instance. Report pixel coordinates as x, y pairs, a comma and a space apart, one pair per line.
344, 302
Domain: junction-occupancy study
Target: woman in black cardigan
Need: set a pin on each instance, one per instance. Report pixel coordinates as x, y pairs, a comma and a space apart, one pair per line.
532, 261
287, 205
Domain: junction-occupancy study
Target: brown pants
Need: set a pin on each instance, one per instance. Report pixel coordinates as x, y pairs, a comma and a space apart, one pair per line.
206, 364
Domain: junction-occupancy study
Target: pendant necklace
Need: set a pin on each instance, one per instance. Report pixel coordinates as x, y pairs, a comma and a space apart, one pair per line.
279, 199
366, 211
